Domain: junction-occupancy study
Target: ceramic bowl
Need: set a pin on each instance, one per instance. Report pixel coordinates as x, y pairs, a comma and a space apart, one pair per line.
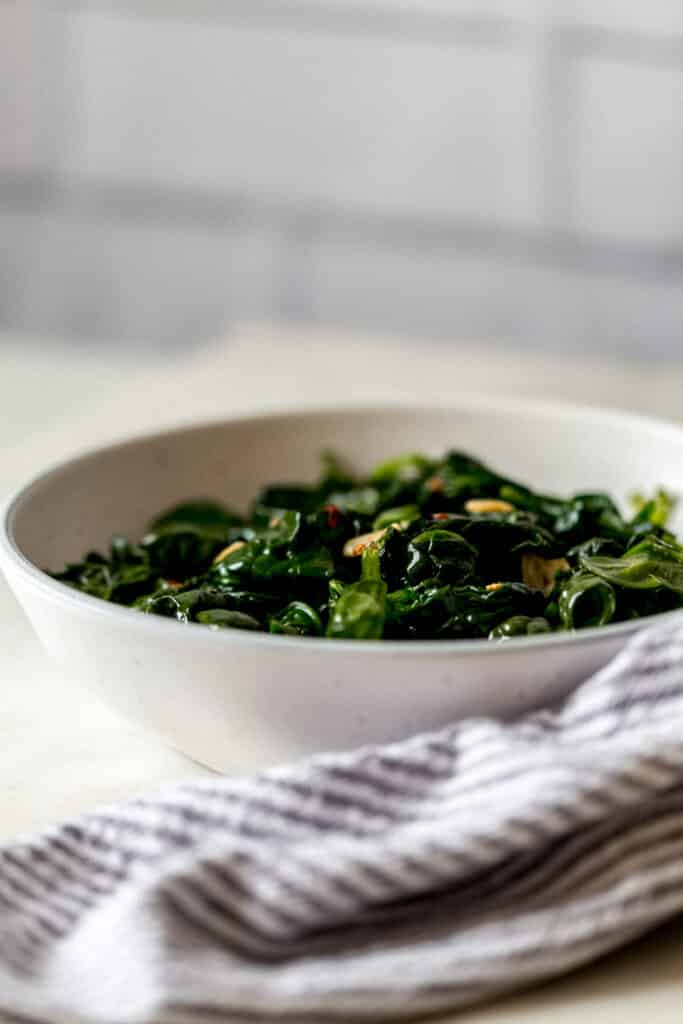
238, 701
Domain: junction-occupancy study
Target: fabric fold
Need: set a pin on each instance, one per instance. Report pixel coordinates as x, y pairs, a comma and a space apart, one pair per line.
372, 885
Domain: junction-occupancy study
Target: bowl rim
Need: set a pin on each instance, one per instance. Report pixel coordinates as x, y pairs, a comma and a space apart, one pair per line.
122, 617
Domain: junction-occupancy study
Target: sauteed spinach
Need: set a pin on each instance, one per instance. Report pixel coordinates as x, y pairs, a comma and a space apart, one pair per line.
422, 548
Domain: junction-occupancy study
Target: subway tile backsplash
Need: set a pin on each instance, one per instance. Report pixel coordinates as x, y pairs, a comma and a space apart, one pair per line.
499, 169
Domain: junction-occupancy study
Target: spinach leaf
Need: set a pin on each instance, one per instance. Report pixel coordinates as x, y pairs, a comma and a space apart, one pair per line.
586, 600
210, 519
121, 578
222, 618
398, 514
93, 575
469, 611
180, 554
657, 510
596, 546
500, 540
174, 604
458, 478
520, 625
406, 469
441, 555
450, 569
653, 562
312, 564
297, 619
401, 480
359, 611
363, 501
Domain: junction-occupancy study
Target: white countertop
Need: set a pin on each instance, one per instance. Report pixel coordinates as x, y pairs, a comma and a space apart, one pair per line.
62, 752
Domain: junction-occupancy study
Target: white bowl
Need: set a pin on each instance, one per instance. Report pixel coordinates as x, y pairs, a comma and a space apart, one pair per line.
236, 700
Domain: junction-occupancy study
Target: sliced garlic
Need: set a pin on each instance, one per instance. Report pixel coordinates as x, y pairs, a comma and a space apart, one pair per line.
357, 545
235, 546
540, 572
484, 505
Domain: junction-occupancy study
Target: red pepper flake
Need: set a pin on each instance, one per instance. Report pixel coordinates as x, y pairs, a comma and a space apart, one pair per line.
441, 515
333, 516
174, 584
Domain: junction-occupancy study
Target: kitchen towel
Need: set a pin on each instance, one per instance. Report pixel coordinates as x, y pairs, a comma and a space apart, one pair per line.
366, 886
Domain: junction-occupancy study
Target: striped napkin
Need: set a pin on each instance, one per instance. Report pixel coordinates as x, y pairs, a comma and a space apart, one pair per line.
367, 886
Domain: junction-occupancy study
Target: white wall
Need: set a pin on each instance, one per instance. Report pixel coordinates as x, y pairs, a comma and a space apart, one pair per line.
509, 169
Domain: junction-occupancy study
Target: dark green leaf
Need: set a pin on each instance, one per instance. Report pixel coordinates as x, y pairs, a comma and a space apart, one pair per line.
399, 514
297, 619
221, 618
363, 501
359, 611
427, 579
405, 468
657, 510
520, 625
208, 518
180, 554
586, 600
651, 563
442, 555
430, 610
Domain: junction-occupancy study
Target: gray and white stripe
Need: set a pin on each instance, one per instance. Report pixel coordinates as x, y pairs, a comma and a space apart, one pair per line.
368, 886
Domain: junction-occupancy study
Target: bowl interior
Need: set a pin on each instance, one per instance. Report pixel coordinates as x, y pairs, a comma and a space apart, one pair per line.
80, 504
